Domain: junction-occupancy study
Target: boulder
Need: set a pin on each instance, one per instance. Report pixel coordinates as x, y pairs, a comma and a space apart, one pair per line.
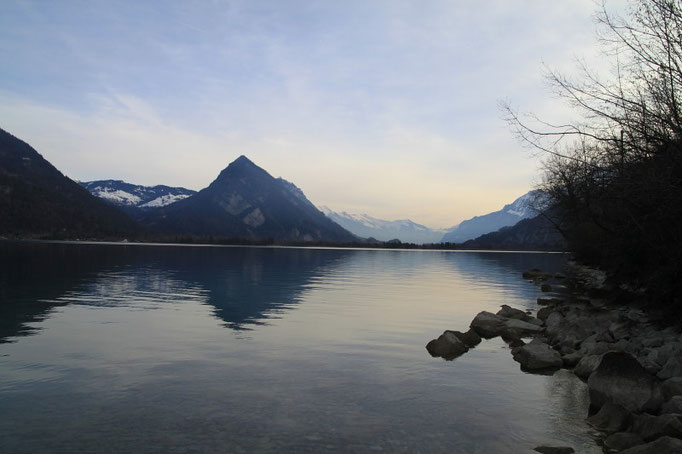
651, 427
545, 288
651, 342
620, 379
672, 387
674, 405
510, 312
544, 312
622, 440
537, 356
620, 329
470, 338
572, 359
586, 366
447, 346
610, 418
488, 325
664, 445
514, 328
672, 368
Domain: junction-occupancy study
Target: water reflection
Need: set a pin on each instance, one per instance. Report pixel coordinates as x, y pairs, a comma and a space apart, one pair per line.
244, 285
135, 357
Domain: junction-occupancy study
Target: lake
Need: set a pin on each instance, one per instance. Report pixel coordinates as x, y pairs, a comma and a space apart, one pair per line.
160, 348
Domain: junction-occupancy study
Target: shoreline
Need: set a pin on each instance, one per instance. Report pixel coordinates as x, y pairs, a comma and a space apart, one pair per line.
629, 355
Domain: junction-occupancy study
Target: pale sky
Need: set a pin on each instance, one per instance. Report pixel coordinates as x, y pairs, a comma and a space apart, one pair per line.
382, 107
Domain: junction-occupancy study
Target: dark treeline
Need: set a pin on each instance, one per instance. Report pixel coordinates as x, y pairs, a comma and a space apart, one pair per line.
615, 175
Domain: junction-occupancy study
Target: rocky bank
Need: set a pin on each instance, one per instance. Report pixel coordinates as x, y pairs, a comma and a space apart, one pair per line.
630, 356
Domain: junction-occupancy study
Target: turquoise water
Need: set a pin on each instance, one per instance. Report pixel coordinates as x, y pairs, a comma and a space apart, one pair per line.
134, 348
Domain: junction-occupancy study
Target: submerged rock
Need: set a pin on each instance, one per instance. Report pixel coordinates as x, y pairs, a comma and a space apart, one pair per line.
620, 379
447, 346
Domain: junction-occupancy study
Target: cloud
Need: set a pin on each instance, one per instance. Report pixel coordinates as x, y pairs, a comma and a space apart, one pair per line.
388, 107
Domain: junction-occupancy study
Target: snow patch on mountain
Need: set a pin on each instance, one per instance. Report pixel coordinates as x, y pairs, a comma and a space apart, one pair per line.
127, 195
164, 200
116, 196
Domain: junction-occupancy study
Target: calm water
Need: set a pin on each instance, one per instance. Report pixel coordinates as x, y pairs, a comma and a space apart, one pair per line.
113, 348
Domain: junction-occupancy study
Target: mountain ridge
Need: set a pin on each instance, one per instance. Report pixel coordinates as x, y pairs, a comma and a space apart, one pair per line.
39, 201
245, 201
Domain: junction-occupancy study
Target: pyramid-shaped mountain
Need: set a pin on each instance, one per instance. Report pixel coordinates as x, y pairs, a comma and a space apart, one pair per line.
37, 200
245, 201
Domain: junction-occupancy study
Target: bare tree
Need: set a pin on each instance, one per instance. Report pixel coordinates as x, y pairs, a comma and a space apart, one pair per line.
615, 174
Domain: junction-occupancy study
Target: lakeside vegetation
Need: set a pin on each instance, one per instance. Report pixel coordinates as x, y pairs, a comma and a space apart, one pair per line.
614, 175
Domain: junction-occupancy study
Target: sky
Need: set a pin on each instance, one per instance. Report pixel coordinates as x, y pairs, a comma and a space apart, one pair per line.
384, 107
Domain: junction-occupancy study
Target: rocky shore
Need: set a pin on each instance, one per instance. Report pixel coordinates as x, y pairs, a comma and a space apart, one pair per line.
630, 357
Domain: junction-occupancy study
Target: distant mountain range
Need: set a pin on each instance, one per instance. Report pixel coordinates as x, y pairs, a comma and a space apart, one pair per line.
526, 206
366, 226
37, 200
126, 195
243, 202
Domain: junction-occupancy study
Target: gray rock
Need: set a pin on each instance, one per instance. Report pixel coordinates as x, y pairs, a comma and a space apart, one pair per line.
544, 312
510, 312
622, 440
664, 445
586, 366
470, 338
519, 328
546, 288
572, 359
672, 368
672, 387
554, 450
620, 329
447, 346
537, 356
651, 427
620, 379
650, 366
610, 418
488, 325
650, 342
674, 405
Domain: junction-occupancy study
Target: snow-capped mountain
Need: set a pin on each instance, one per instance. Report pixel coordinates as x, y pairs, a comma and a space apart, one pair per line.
129, 195
526, 206
366, 226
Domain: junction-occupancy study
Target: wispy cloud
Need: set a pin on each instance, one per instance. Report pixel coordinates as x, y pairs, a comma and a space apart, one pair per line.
388, 107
